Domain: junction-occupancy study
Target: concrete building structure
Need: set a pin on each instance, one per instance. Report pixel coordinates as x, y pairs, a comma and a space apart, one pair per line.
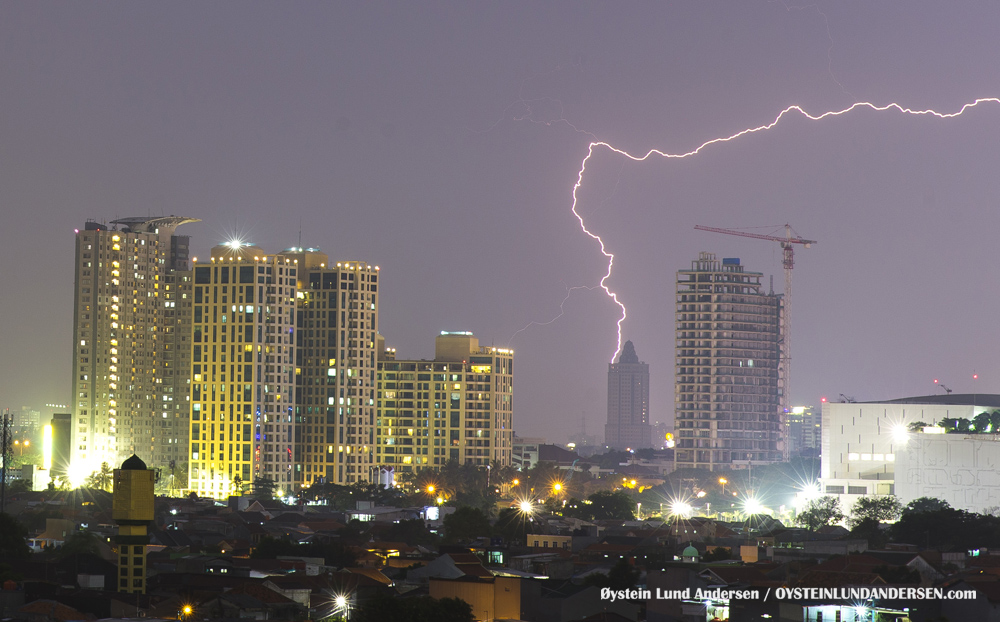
459, 406
728, 382
525, 451
129, 380
628, 402
803, 431
336, 319
491, 597
863, 442
961, 469
243, 370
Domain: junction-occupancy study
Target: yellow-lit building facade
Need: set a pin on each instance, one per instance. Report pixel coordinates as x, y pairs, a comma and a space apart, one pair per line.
242, 424
129, 383
337, 310
458, 406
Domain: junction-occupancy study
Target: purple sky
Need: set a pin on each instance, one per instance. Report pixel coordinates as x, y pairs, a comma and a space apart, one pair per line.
441, 142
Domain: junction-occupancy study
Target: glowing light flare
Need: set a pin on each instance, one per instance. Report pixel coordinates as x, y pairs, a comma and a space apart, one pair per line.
526, 507
794, 109
752, 506
680, 509
806, 493
900, 434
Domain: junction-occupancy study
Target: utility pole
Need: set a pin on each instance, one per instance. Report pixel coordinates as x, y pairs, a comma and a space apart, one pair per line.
6, 455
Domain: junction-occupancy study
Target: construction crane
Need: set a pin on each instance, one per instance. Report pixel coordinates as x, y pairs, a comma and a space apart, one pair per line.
943, 385
788, 250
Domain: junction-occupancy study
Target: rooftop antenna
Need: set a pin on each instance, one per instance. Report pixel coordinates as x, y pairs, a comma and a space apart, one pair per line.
300, 231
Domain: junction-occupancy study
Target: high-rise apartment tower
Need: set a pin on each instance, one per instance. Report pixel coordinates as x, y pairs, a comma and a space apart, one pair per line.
728, 383
130, 343
460, 406
243, 370
628, 402
335, 359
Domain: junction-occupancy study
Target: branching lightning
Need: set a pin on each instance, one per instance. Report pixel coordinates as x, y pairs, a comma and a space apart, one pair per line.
725, 139
562, 311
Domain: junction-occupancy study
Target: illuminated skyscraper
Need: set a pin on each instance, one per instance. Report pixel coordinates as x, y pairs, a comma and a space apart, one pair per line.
459, 406
243, 370
337, 313
728, 385
628, 402
130, 343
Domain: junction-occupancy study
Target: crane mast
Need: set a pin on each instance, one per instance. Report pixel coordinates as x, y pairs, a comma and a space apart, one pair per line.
787, 243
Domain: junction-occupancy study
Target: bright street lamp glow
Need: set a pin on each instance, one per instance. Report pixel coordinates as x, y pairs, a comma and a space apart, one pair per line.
753, 506
526, 507
680, 508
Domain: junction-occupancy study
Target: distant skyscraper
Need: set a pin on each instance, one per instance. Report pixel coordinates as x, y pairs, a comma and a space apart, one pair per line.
130, 343
628, 402
728, 384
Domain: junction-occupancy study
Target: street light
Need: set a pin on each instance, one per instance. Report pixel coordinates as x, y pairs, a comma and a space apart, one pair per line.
723, 481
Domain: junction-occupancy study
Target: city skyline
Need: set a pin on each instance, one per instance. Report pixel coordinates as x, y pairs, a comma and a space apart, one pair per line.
446, 147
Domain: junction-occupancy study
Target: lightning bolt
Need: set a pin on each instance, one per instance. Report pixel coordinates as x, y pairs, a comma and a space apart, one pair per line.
569, 292
725, 139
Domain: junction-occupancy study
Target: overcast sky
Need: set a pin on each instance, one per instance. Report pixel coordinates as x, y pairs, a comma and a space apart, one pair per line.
441, 142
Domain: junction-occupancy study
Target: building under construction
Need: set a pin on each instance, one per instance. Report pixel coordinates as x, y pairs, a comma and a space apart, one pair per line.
728, 383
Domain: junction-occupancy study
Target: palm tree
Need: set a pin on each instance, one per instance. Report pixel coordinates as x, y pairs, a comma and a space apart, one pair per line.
102, 479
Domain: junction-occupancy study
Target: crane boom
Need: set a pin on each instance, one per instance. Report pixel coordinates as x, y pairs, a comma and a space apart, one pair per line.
759, 236
788, 262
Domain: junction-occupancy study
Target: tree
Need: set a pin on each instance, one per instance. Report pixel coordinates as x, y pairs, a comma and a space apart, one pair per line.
718, 554
13, 539
512, 525
956, 425
102, 479
264, 487
621, 576
409, 531
417, 609
605, 504
877, 509
981, 423
820, 513
80, 542
466, 524
917, 426
925, 504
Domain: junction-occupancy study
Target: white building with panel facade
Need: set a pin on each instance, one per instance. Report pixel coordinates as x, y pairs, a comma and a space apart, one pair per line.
867, 445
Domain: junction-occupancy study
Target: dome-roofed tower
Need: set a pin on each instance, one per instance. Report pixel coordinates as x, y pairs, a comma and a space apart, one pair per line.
132, 509
134, 463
